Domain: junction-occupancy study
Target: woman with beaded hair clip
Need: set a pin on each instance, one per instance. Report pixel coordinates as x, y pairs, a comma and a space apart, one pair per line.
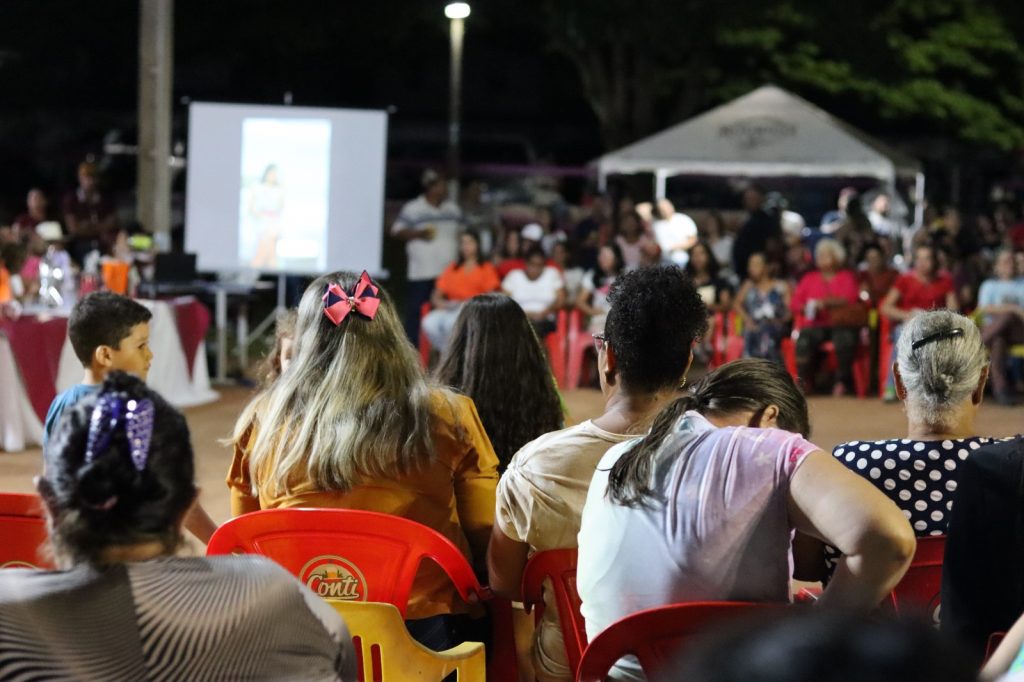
940, 372
356, 424
118, 484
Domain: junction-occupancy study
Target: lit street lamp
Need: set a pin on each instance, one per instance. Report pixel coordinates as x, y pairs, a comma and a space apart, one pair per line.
456, 13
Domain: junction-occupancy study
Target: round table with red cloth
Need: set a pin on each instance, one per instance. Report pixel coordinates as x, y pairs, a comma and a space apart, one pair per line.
37, 361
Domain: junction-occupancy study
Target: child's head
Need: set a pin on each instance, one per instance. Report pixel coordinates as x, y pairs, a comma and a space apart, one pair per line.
111, 332
119, 472
284, 343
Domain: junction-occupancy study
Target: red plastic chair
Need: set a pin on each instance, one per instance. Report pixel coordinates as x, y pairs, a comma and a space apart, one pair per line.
23, 529
726, 339
656, 636
861, 361
577, 345
345, 553
884, 352
555, 342
921, 586
360, 555
558, 566
424, 344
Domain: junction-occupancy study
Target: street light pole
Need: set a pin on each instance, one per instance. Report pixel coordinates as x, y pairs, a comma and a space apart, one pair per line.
456, 13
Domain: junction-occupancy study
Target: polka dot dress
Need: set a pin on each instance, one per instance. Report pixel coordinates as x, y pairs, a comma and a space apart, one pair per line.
919, 476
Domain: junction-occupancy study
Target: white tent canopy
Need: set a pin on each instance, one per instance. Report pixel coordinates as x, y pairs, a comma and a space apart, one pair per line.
766, 133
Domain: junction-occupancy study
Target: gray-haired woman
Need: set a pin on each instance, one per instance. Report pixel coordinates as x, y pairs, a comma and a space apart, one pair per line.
940, 370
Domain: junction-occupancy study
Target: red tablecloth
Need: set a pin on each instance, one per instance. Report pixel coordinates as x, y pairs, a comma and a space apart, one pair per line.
36, 344
193, 321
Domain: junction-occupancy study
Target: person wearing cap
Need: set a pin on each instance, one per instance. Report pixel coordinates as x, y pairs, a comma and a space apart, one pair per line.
89, 216
531, 237
47, 246
429, 225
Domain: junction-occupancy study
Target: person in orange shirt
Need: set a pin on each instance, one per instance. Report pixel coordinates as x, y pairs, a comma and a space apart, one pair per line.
354, 423
467, 277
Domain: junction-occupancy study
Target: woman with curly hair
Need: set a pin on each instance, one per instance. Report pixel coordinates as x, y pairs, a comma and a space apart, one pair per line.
495, 358
643, 356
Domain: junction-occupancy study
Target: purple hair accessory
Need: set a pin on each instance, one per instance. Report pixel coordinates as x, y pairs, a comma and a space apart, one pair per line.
113, 410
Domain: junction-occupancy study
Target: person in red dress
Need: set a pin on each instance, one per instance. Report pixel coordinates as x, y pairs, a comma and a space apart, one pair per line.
924, 288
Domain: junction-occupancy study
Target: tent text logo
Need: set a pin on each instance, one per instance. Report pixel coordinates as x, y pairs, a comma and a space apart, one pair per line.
757, 131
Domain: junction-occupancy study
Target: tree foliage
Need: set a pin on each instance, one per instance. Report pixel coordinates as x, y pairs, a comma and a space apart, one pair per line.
949, 67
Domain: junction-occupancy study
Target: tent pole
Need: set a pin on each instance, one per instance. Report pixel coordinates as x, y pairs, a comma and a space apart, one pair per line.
602, 180
660, 180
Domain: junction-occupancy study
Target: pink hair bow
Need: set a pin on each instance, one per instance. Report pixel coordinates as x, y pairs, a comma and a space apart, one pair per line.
363, 299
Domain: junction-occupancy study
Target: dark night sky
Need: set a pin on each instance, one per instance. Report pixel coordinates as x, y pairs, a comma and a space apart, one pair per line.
68, 75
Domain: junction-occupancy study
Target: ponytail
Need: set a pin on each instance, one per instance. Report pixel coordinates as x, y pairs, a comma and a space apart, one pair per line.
629, 482
744, 386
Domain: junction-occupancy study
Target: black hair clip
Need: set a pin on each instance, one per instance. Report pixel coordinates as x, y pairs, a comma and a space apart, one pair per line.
937, 336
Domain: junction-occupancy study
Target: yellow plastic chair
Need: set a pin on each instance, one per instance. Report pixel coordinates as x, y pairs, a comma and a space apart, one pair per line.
387, 653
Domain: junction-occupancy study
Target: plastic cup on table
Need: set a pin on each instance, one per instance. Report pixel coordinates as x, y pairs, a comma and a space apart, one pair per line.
115, 276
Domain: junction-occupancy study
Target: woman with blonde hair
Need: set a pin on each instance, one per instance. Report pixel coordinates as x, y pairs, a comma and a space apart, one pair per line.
354, 423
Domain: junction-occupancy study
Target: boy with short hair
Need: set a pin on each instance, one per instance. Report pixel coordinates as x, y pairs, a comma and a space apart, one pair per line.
107, 332
110, 332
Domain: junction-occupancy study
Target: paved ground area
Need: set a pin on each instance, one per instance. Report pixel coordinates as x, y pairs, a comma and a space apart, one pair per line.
833, 420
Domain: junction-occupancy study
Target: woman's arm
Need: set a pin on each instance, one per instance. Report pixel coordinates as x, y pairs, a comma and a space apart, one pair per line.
738, 304
506, 560
583, 302
475, 481
240, 483
199, 523
951, 301
831, 503
1006, 653
889, 309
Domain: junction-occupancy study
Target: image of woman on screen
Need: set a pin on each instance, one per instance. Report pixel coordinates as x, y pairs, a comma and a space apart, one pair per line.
266, 204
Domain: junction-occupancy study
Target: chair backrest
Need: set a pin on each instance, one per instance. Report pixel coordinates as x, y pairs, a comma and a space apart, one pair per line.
23, 529
346, 554
656, 636
385, 651
559, 567
921, 586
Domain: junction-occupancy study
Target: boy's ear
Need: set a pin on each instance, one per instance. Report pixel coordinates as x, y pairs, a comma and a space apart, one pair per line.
103, 356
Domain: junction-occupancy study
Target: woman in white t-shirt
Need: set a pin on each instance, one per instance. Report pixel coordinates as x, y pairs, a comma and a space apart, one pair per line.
592, 299
538, 289
704, 508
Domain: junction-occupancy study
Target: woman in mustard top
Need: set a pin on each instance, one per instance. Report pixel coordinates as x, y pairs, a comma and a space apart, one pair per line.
354, 423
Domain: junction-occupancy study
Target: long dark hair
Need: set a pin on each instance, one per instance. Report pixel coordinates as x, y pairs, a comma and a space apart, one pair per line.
460, 259
747, 385
495, 358
599, 275
714, 267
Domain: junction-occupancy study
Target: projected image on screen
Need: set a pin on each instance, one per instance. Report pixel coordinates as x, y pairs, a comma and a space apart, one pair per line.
284, 196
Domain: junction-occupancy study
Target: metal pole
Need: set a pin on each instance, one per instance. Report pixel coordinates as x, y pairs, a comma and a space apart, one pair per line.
456, 32
156, 61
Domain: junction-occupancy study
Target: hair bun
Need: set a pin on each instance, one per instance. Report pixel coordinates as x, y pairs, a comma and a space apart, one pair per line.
99, 484
941, 384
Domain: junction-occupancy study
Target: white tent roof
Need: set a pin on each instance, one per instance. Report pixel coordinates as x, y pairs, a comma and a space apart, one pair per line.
767, 132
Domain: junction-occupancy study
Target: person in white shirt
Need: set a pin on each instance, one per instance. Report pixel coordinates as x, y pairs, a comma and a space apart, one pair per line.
704, 508
538, 289
429, 225
675, 233
880, 216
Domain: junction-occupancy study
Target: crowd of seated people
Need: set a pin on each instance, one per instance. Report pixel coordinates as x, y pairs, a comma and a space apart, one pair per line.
679, 491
